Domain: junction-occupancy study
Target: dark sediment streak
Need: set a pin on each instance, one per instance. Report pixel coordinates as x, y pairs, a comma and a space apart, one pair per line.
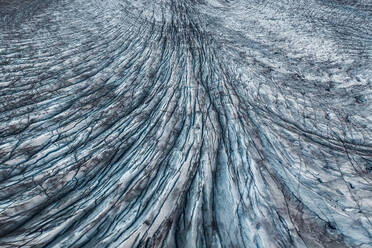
185, 124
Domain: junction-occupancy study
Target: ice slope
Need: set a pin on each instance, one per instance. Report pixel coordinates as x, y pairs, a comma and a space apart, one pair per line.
185, 123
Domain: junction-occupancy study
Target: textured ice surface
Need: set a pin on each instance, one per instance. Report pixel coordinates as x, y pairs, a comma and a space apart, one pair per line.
185, 123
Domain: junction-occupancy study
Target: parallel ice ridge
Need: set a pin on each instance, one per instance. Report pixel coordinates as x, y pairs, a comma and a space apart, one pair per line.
185, 123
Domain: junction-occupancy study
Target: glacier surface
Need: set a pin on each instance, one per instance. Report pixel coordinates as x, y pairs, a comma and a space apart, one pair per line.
185, 123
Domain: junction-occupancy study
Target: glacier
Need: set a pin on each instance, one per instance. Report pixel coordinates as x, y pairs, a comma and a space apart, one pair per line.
185, 123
